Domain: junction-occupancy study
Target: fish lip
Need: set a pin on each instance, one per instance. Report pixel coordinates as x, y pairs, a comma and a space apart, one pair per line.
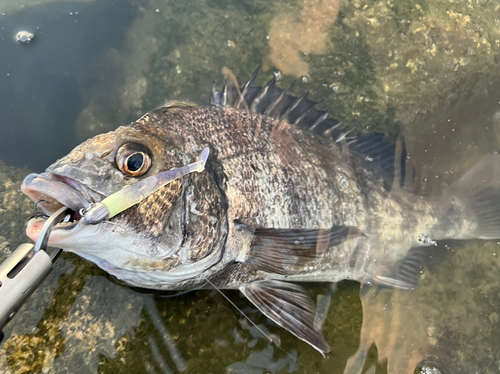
51, 192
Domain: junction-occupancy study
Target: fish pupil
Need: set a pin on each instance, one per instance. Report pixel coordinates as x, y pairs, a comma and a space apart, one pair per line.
135, 162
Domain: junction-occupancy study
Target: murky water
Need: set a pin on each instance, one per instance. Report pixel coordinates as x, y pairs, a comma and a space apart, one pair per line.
427, 70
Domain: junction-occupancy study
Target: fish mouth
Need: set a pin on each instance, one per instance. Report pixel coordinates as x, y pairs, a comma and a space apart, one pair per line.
51, 192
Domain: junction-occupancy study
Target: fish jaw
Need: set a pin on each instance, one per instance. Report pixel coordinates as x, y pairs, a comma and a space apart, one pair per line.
52, 192
107, 244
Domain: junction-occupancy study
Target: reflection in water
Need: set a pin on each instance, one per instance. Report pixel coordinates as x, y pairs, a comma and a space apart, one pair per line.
451, 320
203, 333
391, 322
323, 306
290, 38
163, 332
260, 362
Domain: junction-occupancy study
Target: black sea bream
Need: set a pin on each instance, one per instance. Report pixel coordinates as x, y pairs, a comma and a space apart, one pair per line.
286, 196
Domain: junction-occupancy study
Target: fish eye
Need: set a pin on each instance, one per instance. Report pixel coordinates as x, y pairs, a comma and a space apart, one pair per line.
133, 159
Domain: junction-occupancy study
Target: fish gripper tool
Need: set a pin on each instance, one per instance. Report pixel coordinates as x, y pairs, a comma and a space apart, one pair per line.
25, 269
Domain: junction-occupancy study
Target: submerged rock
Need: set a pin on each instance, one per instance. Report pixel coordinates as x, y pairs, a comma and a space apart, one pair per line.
15, 209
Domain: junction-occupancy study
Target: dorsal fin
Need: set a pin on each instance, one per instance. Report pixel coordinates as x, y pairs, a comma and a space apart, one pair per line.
278, 103
249, 91
274, 102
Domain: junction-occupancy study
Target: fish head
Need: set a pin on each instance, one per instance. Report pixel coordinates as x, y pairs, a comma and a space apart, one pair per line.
169, 237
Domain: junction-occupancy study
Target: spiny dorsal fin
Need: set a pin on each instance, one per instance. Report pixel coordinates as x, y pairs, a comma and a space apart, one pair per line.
272, 101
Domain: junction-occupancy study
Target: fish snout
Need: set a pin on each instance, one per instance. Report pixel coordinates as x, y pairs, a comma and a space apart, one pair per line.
52, 193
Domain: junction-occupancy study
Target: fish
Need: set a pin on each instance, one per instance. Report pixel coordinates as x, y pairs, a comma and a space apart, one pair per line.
288, 195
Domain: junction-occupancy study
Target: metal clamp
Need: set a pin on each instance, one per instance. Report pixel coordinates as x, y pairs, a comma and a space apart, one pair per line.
25, 269
53, 220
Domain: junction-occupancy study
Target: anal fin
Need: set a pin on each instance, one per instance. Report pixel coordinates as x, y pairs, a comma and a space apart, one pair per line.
282, 251
289, 306
406, 273
478, 193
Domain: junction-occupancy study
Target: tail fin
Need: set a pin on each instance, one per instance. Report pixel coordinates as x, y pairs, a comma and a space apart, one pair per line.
478, 195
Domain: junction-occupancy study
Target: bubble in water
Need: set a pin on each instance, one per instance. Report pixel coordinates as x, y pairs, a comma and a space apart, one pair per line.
24, 37
426, 240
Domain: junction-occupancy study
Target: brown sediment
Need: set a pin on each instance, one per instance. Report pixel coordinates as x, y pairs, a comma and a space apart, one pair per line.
291, 36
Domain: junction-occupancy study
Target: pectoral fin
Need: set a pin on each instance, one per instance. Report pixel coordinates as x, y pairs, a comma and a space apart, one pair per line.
289, 306
282, 251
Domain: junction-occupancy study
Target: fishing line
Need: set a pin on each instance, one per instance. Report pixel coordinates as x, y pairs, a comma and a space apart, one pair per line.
257, 327
242, 313
176, 294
